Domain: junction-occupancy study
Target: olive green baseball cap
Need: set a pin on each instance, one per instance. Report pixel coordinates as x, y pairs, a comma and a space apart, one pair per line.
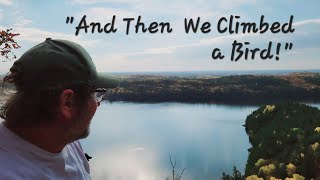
57, 61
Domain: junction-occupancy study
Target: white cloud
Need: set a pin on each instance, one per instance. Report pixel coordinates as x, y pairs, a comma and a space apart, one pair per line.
136, 149
307, 21
194, 8
148, 56
217, 41
35, 35
221, 39
231, 4
6, 2
22, 22
101, 14
105, 1
178, 5
177, 8
1, 14
165, 50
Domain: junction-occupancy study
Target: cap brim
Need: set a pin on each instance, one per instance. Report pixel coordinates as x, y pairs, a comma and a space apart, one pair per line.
106, 81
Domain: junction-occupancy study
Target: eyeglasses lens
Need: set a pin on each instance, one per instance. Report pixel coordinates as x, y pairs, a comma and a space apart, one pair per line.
99, 96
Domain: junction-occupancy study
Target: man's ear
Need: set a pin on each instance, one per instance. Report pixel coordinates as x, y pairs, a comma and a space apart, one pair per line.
66, 106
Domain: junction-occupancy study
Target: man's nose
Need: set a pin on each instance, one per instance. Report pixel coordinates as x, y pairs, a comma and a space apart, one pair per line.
98, 103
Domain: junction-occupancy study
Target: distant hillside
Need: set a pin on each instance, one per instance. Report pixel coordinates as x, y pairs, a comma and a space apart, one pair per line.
225, 89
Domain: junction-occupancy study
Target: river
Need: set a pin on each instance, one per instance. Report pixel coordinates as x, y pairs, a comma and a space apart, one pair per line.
134, 141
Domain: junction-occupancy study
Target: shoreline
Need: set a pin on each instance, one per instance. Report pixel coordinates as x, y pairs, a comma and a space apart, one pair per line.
236, 89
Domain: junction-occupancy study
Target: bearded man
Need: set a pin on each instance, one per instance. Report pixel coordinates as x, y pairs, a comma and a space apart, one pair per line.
57, 92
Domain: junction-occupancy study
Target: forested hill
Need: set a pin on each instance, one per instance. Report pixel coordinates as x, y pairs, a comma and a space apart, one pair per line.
285, 141
226, 89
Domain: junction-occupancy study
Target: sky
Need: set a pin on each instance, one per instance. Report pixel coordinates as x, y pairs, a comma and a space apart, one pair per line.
175, 51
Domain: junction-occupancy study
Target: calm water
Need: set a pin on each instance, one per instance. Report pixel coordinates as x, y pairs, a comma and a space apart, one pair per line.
131, 141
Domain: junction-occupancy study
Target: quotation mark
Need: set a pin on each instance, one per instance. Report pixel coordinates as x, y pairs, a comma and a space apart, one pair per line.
288, 46
69, 19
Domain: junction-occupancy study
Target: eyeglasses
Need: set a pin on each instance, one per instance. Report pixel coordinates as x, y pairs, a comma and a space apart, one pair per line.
99, 94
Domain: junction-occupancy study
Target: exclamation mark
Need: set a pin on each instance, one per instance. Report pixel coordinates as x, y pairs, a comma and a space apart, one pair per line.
278, 51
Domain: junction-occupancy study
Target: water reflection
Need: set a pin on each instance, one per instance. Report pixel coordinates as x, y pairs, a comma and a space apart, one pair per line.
133, 141
123, 162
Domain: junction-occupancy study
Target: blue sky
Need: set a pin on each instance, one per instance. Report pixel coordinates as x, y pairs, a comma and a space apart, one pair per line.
176, 51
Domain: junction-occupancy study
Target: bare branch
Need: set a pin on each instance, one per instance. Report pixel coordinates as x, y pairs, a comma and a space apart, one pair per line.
182, 172
173, 166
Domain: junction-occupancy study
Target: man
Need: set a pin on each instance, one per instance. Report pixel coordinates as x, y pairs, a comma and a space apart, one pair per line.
57, 93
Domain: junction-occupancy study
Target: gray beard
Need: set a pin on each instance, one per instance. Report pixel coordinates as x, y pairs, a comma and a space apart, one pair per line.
84, 134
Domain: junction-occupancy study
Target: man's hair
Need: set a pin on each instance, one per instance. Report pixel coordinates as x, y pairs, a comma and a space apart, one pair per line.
29, 107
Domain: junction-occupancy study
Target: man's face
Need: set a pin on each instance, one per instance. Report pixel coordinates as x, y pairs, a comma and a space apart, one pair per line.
83, 118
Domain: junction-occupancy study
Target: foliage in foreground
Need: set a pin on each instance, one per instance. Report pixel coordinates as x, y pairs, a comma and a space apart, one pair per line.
7, 43
285, 143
